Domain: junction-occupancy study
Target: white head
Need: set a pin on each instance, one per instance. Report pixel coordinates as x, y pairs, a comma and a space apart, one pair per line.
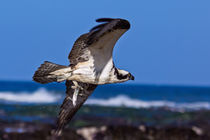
122, 75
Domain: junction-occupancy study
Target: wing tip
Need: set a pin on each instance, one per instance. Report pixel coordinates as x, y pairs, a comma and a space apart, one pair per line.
119, 22
104, 19
109, 24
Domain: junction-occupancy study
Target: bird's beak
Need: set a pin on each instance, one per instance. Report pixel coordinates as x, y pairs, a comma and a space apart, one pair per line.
131, 77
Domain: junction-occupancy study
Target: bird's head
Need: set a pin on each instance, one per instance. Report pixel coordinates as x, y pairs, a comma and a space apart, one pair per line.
123, 75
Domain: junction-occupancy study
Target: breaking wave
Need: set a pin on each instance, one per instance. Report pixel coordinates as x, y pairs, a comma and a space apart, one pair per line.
44, 96
39, 96
122, 100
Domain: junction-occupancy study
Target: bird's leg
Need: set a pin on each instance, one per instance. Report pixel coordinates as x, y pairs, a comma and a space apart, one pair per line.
74, 99
76, 88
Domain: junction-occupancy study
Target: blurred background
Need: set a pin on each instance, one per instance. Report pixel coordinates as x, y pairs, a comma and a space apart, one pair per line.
167, 50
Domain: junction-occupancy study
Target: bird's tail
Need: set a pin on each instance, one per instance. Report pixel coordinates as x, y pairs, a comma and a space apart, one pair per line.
51, 72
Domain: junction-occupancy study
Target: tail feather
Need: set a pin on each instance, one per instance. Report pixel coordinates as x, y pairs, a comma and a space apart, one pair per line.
44, 73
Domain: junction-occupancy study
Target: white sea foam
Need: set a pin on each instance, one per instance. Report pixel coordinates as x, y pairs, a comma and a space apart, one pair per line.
39, 96
43, 96
122, 100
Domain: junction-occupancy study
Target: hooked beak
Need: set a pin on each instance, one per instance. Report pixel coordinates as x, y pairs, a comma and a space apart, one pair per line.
131, 77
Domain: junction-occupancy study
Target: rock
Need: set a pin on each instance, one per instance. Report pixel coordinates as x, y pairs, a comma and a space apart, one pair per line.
120, 133
197, 130
33, 131
41, 131
149, 133
89, 132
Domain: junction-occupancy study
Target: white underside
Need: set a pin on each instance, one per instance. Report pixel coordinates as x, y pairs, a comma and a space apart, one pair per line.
99, 68
87, 73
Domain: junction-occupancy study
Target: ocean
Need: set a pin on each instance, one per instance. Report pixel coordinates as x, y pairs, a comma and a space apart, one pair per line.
116, 104
113, 95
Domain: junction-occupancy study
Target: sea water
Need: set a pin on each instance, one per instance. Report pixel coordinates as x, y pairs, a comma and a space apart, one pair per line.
117, 95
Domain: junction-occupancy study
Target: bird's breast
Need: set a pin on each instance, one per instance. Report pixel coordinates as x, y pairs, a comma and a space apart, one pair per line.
93, 72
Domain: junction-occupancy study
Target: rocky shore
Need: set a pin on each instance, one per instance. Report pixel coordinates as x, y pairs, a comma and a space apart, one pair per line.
105, 123
37, 131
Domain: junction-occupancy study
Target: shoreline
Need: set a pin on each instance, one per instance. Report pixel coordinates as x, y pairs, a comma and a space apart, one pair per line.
39, 131
98, 123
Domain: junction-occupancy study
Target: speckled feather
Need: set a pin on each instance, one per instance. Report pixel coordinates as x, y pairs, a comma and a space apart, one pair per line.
67, 109
41, 75
79, 50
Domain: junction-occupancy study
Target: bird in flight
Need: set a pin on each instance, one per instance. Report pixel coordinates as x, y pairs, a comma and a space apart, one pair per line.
91, 64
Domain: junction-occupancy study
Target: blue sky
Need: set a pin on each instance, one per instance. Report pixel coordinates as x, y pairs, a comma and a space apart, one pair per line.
168, 43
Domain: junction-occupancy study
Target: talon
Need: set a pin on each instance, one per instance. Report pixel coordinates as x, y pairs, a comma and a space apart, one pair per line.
76, 86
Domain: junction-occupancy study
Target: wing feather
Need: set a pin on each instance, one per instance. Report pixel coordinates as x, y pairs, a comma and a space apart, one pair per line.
107, 27
79, 50
105, 19
94, 35
98, 27
110, 29
68, 110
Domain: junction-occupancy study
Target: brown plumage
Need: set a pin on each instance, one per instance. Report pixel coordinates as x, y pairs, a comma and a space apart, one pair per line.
67, 109
86, 47
42, 75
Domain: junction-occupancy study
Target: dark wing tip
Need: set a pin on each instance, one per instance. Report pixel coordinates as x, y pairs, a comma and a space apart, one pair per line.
104, 19
120, 23
123, 24
109, 25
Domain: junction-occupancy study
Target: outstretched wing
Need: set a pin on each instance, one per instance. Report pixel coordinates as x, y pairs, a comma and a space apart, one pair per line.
68, 110
100, 40
111, 28
97, 45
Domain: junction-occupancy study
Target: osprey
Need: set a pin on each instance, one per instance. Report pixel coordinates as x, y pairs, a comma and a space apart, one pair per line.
91, 64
